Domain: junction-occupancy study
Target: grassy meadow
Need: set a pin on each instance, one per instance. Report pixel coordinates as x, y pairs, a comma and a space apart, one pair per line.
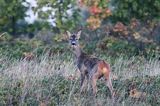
52, 81
38, 68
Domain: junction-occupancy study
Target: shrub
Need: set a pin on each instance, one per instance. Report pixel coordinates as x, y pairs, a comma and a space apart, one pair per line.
124, 10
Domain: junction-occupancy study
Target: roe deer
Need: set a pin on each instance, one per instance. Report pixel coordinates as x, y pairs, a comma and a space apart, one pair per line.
91, 68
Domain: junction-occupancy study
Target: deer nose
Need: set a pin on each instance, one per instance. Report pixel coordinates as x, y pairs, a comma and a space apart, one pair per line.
73, 43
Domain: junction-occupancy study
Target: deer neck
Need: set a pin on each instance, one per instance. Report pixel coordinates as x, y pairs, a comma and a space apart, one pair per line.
78, 51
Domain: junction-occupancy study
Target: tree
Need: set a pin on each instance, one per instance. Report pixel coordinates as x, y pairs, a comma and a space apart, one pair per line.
98, 11
10, 12
124, 10
67, 13
63, 13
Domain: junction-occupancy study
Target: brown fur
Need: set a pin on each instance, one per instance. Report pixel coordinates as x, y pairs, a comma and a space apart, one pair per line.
103, 69
91, 68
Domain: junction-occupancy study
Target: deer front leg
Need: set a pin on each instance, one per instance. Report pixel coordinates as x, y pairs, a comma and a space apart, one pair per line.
94, 86
82, 82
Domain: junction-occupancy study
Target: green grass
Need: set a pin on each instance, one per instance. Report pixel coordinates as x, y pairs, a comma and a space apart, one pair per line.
54, 81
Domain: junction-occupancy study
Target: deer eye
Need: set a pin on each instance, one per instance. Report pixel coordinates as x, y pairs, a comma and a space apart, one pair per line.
71, 39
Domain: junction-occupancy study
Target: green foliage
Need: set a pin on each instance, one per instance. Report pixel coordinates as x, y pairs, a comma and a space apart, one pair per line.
25, 28
140, 9
5, 37
58, 10
10, 12
17, 48
115, 47
110, 46
52, 81
14, 49
56, 90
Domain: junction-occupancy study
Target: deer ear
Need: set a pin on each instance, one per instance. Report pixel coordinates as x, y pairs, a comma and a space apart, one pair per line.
68, 34
79, 34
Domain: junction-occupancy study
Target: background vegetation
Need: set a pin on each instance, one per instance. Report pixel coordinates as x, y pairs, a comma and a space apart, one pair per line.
37, 66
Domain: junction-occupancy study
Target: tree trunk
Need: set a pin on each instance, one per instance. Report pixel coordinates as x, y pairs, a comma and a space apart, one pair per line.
13, 25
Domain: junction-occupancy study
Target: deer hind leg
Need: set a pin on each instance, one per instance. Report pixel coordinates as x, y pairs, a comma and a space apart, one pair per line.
109, 84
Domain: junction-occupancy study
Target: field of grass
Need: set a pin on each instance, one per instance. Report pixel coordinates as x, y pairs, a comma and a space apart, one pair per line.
52, 81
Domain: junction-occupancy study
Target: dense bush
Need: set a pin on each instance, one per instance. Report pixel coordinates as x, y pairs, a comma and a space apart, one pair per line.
116, 47
124, 10
109, 45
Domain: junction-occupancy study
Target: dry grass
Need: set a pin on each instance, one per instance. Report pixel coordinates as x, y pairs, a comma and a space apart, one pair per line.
54, 81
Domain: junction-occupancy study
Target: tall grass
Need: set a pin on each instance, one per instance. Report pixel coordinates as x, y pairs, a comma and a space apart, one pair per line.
54, 81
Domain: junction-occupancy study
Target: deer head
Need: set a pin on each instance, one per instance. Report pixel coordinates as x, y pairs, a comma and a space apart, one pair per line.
73, 41
74, 38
